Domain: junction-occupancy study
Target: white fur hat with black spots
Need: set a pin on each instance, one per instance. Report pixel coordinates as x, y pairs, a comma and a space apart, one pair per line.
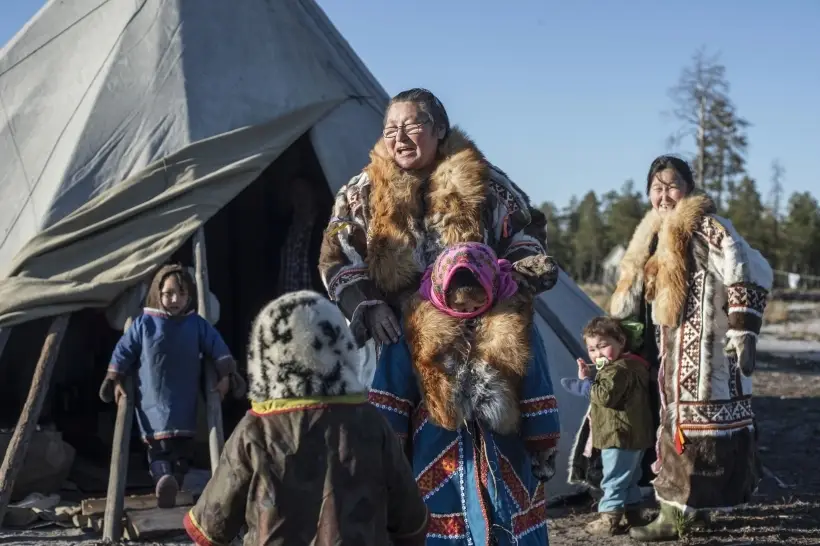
301, 346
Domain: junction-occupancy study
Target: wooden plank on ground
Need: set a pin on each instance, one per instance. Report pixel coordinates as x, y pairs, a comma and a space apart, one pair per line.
153, 522
92, 507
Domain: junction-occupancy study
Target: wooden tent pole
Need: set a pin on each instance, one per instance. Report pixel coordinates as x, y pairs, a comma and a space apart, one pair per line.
216, 435
118, 470
20, 440
4, 337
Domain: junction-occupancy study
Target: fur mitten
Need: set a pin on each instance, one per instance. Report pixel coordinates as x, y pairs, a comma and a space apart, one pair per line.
543, 464
744, 348
537, 273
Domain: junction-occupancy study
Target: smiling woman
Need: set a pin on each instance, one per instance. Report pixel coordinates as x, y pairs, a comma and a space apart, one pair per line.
413, 126
426, 190
700, 290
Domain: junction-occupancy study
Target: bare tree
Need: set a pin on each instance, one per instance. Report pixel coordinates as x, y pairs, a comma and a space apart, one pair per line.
699, 88
776, 193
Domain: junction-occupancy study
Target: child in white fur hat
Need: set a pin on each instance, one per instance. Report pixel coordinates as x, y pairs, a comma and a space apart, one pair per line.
312, 462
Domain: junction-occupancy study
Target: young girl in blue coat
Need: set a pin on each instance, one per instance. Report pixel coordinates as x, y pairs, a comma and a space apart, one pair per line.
166, 345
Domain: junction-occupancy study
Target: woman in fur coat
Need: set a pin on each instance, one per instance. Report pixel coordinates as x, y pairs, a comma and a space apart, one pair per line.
428, 187
701, 290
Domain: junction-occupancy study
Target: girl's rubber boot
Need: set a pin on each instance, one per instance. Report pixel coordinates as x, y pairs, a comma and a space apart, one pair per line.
663, 528
166, 491
165, 485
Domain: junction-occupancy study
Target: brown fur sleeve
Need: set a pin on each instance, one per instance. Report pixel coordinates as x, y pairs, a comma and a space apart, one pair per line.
219, 513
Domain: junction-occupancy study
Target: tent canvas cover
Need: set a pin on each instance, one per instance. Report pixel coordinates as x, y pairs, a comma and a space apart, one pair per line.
128, 124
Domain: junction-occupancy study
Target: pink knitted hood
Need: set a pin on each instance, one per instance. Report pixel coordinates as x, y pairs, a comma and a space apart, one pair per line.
494, 274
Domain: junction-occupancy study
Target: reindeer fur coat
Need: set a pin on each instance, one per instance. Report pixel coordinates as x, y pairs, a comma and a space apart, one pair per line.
389, 225
705, 285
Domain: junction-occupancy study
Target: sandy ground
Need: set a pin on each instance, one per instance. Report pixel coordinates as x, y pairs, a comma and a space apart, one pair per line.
786, 510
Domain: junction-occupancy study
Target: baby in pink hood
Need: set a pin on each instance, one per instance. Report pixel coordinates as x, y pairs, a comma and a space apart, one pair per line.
468, 331
467, 279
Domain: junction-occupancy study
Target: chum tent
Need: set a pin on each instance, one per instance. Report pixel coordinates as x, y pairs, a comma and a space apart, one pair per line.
129, 125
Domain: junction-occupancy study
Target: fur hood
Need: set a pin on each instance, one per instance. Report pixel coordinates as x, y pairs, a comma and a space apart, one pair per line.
662, 278
153, 299
300, 346
452, 200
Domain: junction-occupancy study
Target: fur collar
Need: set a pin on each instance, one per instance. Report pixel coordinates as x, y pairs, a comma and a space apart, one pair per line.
301, 347
448, 205
662, 278
471, 372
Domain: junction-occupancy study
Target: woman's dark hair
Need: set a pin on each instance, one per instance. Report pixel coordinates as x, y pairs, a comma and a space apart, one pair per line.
427, 103
677, 164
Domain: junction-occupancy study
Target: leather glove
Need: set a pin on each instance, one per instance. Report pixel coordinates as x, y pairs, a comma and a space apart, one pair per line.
239, 387
227, 367
382, 323
744, 348
577, 387
543, 465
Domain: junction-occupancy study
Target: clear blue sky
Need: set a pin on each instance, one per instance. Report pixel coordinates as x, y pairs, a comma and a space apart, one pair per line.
568, 96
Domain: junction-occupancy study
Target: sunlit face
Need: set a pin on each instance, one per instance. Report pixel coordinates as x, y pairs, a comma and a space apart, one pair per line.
666, 190
604, 346
409, 136
173, 296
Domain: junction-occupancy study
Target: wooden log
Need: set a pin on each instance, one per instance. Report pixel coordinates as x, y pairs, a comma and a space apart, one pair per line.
145, 524
118, 473
16, 451
118, 470
216, 435
92, 507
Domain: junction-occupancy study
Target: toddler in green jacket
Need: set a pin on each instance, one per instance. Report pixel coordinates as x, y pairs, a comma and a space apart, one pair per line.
620, 419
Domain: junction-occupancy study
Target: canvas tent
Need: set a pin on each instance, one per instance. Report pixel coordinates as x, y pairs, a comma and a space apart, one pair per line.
127, 125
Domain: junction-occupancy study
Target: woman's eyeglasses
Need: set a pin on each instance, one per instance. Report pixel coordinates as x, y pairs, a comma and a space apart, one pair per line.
409, 129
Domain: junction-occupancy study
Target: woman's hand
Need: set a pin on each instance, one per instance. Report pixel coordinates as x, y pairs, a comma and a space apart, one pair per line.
382, 323
583, 369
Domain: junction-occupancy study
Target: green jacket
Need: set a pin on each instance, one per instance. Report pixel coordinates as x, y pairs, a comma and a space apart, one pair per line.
620, 413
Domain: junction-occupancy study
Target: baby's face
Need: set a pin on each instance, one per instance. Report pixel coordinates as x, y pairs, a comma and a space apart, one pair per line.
604, 347
466, 299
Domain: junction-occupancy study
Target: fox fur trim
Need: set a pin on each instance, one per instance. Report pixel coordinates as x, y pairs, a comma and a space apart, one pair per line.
452, 201
662, 278
471, 371
300, 346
